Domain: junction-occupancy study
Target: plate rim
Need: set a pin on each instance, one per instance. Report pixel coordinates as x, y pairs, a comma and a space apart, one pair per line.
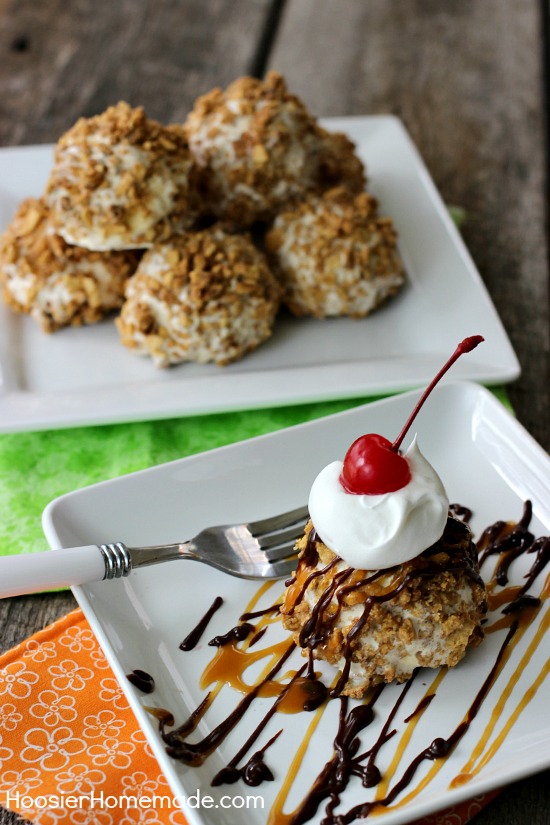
417, 809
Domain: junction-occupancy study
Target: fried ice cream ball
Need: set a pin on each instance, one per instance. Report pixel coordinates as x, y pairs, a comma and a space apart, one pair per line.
339, 165
120, 181
335, 255
379, 626
57, 284
259, 149
206, 296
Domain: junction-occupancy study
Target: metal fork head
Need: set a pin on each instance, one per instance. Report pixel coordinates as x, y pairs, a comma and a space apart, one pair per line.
263, 549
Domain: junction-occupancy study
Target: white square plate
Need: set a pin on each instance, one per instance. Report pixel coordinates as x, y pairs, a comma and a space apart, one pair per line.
84, 376
488, 463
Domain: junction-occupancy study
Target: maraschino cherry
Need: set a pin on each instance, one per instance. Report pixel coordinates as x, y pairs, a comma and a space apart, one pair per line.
373, 465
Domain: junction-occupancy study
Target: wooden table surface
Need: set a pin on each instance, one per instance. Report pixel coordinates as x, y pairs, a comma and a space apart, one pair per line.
467, 78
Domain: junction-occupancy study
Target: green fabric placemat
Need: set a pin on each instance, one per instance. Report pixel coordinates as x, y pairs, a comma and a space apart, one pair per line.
37, 467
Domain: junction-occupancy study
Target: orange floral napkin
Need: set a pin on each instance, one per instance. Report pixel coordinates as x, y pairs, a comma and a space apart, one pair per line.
71, 751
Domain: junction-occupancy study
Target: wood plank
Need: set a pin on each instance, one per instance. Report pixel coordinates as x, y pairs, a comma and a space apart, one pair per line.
466, 78
22, 616
62, 60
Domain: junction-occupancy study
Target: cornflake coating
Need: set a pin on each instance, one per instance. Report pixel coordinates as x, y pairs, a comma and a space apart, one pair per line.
335, 255
259, 149
120, 181
56, 284
424, 613
206, 296
339, 165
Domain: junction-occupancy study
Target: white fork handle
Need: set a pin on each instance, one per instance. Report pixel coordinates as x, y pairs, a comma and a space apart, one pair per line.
33, 572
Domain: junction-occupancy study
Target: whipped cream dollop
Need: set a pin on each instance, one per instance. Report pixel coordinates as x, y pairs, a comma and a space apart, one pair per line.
374, 532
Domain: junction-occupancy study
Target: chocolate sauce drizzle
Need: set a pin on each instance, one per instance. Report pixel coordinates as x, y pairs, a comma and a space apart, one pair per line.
236, 634
255, 767
253, 772
274, 608
422, 705
506, 540
192, 639
142, 680
195, 754
510, 542
460, 512
439, 748
257, 636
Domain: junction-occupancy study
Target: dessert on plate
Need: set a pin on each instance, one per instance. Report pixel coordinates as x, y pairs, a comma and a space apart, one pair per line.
335, 255
122, 184
204, 296
259, 148
120, 180
339, 164
388, 579
57, 284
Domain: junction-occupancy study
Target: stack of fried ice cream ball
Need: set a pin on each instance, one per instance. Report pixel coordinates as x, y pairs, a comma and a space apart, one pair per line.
197, 234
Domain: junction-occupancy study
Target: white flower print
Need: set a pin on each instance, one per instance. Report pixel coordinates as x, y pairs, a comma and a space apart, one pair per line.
111, 693
68, 675
40, 651
21, 782
9, 716
450, 818
139, 738
100, 662
103, 725
132, 816
91, 816
112, 752
52, 749
5, 753
139, 784
53, 709
80, 780
77, 639
17, 681
44, 816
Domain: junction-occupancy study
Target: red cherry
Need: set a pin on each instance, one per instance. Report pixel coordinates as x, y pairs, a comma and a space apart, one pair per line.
373, 465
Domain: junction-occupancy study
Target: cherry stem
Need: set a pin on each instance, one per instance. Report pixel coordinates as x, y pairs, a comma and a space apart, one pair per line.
465, 346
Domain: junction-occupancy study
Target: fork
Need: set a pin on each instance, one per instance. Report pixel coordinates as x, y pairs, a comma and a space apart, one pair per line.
261, 549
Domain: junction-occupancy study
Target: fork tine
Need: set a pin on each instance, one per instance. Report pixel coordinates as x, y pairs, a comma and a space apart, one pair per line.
269, 525
283, 551
282, 569
275, 539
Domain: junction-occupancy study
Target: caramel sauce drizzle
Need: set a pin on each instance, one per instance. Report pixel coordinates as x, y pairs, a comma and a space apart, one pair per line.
412, 721
478, 758
296, 691
276, 815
